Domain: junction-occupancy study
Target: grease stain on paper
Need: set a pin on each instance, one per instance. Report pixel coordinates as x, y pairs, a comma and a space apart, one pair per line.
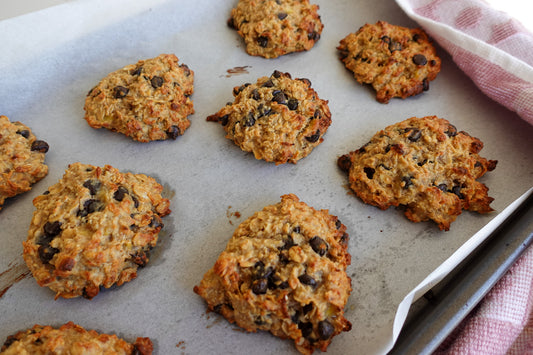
15, 273
232, 216
237, 71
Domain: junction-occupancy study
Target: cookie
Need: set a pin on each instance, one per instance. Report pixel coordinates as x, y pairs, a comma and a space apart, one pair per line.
284, 271
146, 101
273, 28
93, 229
21, 159
278, 119
424, 164
71, 339
396, 61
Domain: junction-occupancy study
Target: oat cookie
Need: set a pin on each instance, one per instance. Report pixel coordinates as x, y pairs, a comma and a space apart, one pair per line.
271, 28
71, 339
21, 159
146, 101
396, 61
93, 229
424, 164
284, 271
278, 119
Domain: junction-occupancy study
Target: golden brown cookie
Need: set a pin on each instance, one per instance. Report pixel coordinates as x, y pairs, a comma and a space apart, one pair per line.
146, 101
93, 229
271, 28
424, 164
278, 119
396, 61
284, 271
71, 339
21, 159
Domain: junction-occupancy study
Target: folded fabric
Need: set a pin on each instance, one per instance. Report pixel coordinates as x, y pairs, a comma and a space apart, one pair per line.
503, 322
492, 48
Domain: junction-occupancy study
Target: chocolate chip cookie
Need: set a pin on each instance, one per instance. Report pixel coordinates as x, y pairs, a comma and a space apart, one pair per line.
146, 101
284, 271
21, 159
424, 164
71, 339
274, 27
93, 229
396, 61
278, 119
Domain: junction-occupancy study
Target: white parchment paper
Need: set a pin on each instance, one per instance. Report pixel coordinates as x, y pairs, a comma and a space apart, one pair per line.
52, 58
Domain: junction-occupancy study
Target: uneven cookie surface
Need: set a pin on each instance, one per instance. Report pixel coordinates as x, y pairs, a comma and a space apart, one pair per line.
71, 339
278, 119
93, 229
424, 164
22, 158
147, 101
271, 28
396, 61
284, 271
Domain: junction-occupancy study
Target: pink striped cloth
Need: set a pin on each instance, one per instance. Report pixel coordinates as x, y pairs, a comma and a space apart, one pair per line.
503, 322
492, 48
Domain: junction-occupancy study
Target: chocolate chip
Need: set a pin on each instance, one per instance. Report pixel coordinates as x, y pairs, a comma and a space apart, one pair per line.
306, 328
313, 36
137, 71
249, 121
416, 37
457, 191
319, 245
255, 95
283, 285
422, 163
414, 135
135, 201
277, 74
308, 308
306, 81
120, 92
262, 41
92, 185
317, 114
385, 39
279, 97
237, 90
292, 104
407, 181
395, 46
282, 15
296, 230
432, 62
325, 330
46, 253
173, 132
231, 23
89, 206
268, 84
24, 133
157, 82
313, 138
52, 229
338, 224
224, 120
344, 239
369, 172
307, 280
288, 243
451, 131
39, 146
425, 84
442, 187
344, 162
120, 193
260, 287
420, 59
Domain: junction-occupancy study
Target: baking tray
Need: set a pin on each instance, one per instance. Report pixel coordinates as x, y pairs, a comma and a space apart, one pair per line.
58, 54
